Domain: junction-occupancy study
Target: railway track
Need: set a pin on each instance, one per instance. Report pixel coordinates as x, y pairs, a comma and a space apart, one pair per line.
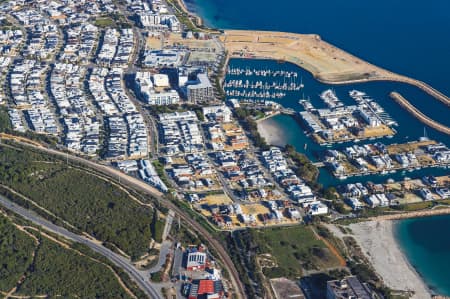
138, 185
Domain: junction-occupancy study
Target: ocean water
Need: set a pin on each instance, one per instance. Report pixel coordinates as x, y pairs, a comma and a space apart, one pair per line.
426, 243
409, 37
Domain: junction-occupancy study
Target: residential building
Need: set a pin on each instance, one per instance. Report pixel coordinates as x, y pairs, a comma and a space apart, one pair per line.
196, 261
349, 287
201, 90
317, 208
156, 91
206, 288
220, 113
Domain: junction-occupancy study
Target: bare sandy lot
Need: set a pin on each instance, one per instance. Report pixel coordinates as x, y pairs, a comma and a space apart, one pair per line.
323, 60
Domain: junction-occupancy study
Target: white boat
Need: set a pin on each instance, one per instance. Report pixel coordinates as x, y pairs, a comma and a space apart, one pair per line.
330, 98
356, 93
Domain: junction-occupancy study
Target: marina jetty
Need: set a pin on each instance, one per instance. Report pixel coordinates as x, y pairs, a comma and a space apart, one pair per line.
324, 61
418, 114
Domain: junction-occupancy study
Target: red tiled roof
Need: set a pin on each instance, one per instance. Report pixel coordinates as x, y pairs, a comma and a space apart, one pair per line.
206, 287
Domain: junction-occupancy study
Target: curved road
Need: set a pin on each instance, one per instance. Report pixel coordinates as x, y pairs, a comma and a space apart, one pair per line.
117, 259
139, 185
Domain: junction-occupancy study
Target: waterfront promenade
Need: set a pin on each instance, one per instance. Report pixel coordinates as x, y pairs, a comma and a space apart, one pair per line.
406, 215
324, 61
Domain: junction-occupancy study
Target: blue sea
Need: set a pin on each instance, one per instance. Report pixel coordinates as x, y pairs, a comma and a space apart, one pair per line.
408, 37
426, 243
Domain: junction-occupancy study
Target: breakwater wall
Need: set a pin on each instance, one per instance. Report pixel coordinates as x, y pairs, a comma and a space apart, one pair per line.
418, 114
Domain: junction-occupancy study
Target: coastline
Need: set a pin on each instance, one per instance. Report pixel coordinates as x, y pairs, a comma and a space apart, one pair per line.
387, 257
416, 214
327, 63
184, 8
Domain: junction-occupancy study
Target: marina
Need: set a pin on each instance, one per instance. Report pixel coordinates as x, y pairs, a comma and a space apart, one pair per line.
250, 163
292, 86
261, 84
341, 123
237, 71
255, 95
362, 99
330, 98
286, 130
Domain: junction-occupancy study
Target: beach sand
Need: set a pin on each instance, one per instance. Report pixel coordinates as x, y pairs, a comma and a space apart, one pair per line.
271, 132
378, 242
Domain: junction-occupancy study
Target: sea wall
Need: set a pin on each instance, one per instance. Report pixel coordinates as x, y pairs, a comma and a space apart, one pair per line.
406, 215
418, 114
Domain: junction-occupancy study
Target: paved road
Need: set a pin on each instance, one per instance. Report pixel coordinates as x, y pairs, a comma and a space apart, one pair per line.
139, 185
168, 224
138, 276
163, 252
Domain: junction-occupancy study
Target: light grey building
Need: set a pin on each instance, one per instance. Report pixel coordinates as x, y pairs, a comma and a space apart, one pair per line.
349, 287
201, 91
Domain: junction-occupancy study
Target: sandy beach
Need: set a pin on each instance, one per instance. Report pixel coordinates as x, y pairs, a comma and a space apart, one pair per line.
271, 132
377, 241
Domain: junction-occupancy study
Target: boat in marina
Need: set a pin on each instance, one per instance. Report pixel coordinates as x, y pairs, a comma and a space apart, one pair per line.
330, 98
306, 105
356, 93
368, 103
237, 71
286, 85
